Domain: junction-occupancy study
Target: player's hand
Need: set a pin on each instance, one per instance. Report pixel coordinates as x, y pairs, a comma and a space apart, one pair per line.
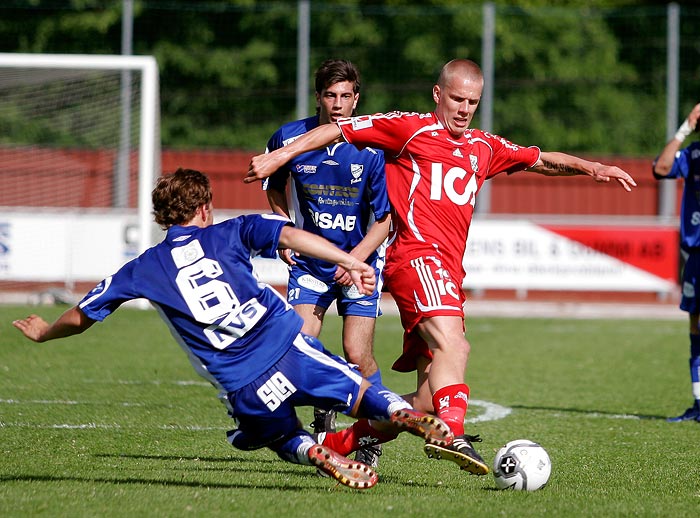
604, 173
342, 277
287, 255
694, 116
33, 327
261, 166
363, 277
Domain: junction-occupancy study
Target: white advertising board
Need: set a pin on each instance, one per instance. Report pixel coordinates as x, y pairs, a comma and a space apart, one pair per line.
521, 255
513, 255
55, 246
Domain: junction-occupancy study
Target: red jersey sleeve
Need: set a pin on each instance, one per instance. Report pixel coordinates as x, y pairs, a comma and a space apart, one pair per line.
508, 157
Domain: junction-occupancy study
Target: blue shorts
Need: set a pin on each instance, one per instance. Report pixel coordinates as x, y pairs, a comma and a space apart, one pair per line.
690, 282
304, 288
307, 375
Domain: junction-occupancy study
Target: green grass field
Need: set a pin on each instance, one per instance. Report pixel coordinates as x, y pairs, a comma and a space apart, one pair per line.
115, 423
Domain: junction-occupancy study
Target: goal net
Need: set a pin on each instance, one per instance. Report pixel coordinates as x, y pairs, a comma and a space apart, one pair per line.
79, 152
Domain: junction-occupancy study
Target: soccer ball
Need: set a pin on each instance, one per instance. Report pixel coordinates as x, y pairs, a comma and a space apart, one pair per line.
521, 465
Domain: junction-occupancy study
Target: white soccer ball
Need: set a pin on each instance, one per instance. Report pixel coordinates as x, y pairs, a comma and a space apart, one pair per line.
522, 465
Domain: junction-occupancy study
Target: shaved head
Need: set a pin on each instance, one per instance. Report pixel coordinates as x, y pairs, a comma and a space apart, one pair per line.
464, 69
457, 94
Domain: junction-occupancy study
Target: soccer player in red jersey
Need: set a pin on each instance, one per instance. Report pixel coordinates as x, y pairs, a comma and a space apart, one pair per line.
435, 166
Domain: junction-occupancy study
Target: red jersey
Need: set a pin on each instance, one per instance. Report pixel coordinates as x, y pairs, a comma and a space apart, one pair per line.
432, 179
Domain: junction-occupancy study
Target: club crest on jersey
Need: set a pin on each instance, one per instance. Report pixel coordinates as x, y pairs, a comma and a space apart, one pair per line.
356, 171
474, 163
306, 169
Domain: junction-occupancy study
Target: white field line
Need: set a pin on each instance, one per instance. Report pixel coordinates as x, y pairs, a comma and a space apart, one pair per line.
491, 412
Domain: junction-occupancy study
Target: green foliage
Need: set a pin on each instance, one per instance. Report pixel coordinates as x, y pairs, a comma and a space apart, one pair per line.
585, 77
114, 422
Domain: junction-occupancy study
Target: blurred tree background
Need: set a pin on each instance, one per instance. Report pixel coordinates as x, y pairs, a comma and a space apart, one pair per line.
583, 77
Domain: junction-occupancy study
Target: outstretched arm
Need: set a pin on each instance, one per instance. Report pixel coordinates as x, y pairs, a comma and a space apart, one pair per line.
315, 246
262, 166
561, 164
72, 322
664, 163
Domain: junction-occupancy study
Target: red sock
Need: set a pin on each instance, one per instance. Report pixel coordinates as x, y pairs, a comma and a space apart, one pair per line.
450, 405
360, 434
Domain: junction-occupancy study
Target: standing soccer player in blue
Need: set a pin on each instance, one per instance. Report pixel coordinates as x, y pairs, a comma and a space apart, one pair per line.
240, 333
674, 162
339, 193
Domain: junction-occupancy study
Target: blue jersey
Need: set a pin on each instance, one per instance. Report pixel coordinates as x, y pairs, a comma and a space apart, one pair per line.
337, 192
687, 166
201, 280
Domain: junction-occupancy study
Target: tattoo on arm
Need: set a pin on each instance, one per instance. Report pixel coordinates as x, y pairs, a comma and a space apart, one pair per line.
558, 168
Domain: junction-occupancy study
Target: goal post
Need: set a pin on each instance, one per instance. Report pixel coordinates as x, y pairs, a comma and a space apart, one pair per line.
28, 82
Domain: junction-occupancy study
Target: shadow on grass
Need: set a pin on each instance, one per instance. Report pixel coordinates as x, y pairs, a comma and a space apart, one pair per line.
594, 413
280, 467
254, 484
181, 457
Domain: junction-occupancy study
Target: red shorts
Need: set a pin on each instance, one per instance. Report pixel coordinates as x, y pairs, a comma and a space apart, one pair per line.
422, 288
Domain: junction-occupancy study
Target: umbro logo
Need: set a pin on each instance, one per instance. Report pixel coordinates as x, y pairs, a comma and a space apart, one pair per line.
330, 162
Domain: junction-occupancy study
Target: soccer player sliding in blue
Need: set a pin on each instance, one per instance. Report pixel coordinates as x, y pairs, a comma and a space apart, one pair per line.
673, 163
239, 333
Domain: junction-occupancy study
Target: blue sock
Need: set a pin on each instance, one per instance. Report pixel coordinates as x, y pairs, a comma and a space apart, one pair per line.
695, 366
379, 403
376, 378
295, 448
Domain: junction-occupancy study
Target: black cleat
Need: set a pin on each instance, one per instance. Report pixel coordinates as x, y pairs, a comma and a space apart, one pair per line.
461, 452
691, 414
324, 421
369, 455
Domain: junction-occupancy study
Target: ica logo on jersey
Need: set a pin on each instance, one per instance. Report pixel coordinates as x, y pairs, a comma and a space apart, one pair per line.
443, 183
